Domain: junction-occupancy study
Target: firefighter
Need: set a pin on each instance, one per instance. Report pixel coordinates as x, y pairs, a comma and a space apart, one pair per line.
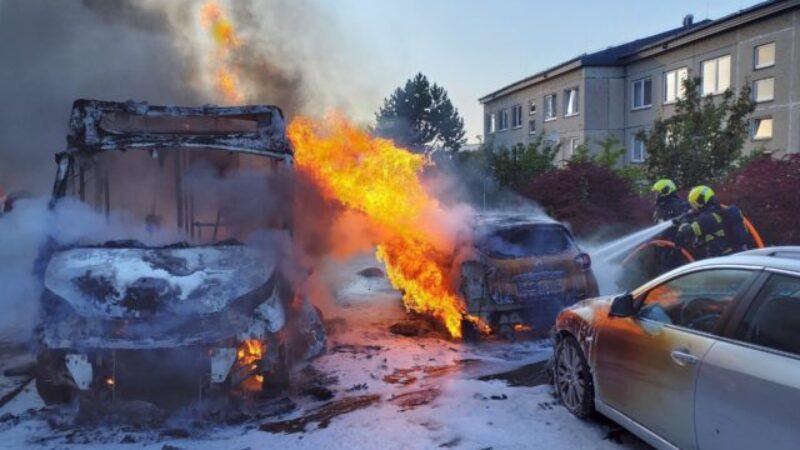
712, 229
668, 204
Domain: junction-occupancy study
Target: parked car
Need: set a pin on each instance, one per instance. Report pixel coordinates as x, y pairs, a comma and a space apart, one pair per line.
518, 269
706, 356
129, 320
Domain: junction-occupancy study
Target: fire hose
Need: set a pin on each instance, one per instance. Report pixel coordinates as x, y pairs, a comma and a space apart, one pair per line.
659, 243
664, 243
754, 233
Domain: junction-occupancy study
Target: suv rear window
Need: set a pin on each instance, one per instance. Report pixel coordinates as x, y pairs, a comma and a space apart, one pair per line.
526, 240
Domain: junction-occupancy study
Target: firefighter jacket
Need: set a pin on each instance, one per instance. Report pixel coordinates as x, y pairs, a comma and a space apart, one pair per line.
715, 231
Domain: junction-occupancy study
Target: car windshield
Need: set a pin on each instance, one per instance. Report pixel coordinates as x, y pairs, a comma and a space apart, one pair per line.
525, 241
197, 196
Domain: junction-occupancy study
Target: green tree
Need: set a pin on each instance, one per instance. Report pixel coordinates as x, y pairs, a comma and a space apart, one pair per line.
608, 156
421, 116
518, 165
700, 143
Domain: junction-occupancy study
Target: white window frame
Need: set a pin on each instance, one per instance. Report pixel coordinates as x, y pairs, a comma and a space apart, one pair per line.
532, 108
757, 66
502, 120
532, 130
572, 144
634, 159
717, 89
516, 116
678, 75
491, 123
550, 107
572, 94
754, 128
640, 84
755, 90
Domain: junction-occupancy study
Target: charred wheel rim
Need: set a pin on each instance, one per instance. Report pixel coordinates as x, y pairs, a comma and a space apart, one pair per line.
570, 380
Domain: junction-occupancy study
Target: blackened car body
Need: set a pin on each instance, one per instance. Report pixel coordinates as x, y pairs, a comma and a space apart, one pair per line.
519, 269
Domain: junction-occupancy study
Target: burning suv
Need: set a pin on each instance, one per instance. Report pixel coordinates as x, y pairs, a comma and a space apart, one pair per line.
130, 320
520, 271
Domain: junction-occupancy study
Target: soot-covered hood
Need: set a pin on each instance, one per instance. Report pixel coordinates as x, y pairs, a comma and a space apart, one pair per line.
118, 283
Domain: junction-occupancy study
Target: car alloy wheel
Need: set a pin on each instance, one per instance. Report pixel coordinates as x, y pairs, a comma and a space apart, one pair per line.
572, 379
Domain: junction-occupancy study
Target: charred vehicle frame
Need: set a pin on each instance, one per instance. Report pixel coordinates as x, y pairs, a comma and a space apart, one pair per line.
518, 271
124, 320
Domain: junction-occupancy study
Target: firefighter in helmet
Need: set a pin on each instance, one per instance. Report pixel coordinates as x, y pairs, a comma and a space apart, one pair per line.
668, 204
712, 230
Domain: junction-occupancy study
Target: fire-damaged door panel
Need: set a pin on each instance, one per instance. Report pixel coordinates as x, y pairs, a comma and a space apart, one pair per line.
188, 297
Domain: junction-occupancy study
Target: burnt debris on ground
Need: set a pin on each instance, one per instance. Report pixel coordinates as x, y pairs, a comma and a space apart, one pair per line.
535, 374
323, 415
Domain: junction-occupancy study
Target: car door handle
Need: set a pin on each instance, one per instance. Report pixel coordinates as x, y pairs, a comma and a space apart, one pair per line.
682, 357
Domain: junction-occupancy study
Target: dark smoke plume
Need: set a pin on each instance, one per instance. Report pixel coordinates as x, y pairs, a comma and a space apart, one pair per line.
292, 55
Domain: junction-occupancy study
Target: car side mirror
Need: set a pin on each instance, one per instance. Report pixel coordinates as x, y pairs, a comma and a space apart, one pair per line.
622, 306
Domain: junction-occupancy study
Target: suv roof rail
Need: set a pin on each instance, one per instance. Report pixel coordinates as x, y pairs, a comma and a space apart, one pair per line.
788, 252
97, 125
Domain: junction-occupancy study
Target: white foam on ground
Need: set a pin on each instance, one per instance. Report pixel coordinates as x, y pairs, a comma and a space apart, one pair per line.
463, 416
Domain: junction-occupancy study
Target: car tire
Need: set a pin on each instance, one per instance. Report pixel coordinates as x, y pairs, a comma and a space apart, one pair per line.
572, 378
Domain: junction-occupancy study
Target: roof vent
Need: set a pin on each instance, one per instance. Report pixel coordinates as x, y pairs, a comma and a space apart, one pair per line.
688, 20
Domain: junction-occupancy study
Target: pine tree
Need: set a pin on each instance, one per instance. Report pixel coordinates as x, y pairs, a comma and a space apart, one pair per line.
421, 117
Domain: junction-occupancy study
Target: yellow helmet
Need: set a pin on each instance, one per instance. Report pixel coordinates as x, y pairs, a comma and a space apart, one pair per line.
664, 186
700, 196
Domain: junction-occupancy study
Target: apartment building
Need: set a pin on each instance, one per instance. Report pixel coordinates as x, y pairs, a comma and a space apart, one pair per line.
623, 89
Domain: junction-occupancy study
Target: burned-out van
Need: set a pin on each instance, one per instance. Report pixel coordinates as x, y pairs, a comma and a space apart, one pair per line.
188, 296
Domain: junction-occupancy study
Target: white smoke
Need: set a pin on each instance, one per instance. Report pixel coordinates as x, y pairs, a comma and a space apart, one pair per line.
607, 258
293, 55
29, 228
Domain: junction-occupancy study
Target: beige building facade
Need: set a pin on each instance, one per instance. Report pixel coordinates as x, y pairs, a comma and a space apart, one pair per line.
622, 90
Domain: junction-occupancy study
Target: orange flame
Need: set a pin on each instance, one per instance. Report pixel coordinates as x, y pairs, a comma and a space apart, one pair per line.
223, 34
369, 176
250, 351
382, 181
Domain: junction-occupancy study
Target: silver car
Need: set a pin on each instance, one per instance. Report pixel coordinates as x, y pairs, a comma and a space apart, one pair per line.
706, 356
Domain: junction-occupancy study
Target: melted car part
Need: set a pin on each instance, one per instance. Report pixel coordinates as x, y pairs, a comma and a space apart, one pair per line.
222, 360
80, 369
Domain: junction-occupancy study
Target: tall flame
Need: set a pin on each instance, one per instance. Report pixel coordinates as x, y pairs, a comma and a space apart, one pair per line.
225, 40
382, 181
370, 176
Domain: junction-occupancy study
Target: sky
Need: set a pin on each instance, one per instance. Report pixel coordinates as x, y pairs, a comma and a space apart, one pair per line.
473, 47
306, 56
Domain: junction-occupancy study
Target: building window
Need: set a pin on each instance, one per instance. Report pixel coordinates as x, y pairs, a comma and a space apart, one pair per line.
491, 123
532, 126
550, 107
642, 93
532, 107
502, 120
572, 145
637, 150
765, 55
716, 75
571, 103
764, 90
516, 116
762, 128
673, 84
